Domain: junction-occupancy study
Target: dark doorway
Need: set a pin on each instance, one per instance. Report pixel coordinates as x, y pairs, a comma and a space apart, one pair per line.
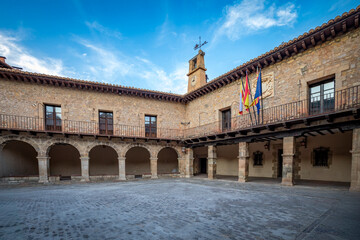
280, 163
203, 165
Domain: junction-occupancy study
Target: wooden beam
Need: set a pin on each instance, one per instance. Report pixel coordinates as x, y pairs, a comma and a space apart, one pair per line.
322, 35
356, 21
287, 52
279, 56
332, 30
266, 62
303, 44
313, 42
343, 25
272, 59
295, 49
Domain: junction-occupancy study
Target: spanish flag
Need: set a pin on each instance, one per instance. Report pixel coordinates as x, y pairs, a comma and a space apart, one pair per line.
258, 93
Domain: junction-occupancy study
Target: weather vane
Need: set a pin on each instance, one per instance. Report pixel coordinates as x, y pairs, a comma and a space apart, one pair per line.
197, 46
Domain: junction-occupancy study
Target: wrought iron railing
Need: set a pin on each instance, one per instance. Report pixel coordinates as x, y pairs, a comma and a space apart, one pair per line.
320, 105
323, 104
83, 127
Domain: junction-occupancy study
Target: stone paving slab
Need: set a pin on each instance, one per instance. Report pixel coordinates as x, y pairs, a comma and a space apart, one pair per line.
178, 209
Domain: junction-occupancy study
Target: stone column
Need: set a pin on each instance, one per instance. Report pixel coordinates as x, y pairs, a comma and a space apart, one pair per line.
181, 166
153, 166
189, 162
243, 161
43, 163
288, 161
355, 161
211, 162
85, 168
122, 172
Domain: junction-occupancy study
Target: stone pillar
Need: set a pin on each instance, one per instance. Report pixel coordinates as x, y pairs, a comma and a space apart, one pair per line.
85, 168
189, 162
288, 161
355, 161
211, 162
122, 172
153, 167
243, 161
44, 169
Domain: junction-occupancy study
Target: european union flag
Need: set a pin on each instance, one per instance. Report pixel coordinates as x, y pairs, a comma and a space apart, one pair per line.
258, 93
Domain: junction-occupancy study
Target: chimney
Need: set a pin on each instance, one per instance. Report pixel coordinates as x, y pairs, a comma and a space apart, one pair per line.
2, 59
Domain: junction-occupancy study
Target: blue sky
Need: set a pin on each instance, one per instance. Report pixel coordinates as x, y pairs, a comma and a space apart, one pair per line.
147, 44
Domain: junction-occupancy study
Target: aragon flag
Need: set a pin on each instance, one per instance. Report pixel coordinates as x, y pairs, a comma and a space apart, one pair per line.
258, 93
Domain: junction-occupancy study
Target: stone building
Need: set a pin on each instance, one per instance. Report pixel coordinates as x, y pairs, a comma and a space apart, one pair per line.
55, 128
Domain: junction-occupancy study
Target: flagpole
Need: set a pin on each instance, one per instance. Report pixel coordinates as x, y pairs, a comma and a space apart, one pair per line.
242, 100
262, 103
251, 100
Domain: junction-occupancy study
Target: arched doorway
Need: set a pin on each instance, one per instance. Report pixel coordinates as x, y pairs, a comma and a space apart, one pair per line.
137, 162
103, 162
18, 159
167, 161
65, 162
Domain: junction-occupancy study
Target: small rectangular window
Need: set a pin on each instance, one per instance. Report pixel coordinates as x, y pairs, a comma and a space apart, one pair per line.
106, 125
321, 157
150, 126
52, 118
258, 158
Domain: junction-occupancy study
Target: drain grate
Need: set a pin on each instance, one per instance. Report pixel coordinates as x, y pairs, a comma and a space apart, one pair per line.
138, 176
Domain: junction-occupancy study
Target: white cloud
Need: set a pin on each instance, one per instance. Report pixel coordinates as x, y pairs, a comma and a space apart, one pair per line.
98, 63
249, 16
19, 56
103, 30
114, 67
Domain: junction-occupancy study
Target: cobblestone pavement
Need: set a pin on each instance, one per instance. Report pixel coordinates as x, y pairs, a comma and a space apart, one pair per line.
178, 209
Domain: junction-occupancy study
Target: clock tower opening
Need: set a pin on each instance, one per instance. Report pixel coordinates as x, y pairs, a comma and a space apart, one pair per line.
197, 75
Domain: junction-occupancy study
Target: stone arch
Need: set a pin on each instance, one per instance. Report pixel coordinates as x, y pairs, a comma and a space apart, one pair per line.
27, 140
103, 160
64, 158
18, 159
137, 160
125, 149
168, 161
51, 142
91, 145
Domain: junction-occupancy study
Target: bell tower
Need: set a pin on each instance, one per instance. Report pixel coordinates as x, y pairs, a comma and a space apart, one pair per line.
197, 75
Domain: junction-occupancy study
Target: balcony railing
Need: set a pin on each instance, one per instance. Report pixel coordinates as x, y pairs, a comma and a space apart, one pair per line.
82, 127
335, 102
321, 105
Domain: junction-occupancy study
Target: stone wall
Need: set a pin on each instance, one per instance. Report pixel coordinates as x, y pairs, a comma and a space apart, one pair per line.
287, 80
25, 99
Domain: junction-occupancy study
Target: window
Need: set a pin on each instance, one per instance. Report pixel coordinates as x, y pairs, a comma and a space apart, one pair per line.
322, 97
258, 158
321, 157
106, 123
226, 119
194, 63
150, 126
52, 118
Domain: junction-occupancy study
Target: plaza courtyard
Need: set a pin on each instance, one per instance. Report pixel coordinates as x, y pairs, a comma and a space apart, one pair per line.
178, 209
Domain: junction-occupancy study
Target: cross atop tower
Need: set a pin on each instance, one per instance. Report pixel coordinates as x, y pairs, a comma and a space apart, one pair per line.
198, 46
